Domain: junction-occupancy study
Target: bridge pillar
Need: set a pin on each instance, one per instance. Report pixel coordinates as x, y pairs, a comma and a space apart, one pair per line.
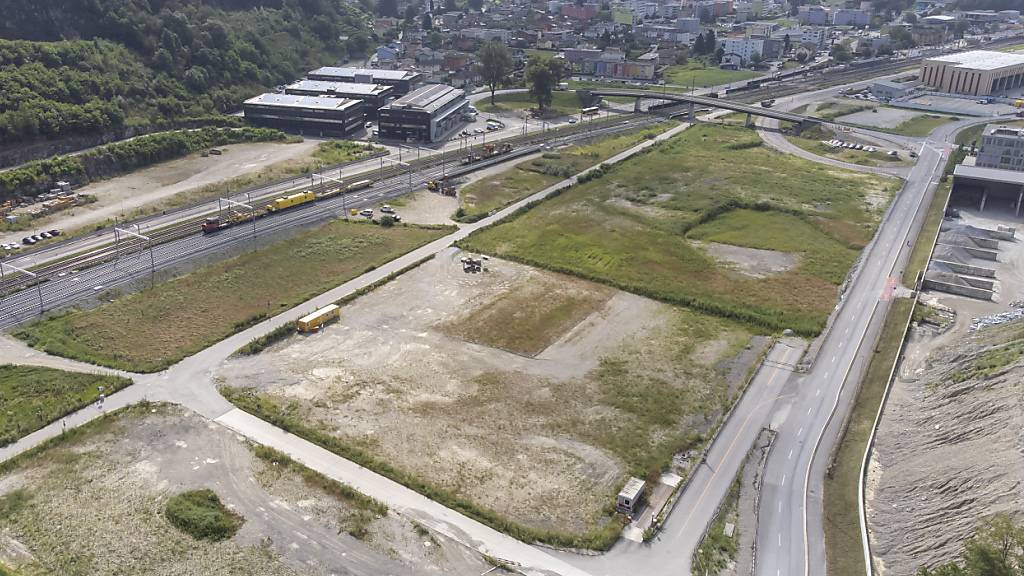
798, 128
692, 116
750, 120
984, 198
636, 105
1020, 198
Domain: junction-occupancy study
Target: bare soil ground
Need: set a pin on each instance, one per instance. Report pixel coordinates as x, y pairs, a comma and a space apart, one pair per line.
426, 208
95, 506
126, 194
545, 440
948, 446
753, 262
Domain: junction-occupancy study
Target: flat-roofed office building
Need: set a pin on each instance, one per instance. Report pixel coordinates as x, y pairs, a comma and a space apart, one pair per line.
426, 114
305, 114
974, 73
402, 81
373, 96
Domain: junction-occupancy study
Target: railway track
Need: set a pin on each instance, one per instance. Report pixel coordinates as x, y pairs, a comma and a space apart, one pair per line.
63, 283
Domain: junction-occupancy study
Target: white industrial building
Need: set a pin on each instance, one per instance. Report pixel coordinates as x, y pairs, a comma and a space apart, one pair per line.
974, 73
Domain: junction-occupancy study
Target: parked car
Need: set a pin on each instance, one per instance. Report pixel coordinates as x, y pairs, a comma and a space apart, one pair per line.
573, 120
368, 125
368, 212
28, 240
45, 235
387, 209
55, 232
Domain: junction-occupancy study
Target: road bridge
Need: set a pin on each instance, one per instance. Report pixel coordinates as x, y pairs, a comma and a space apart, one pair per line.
800, 121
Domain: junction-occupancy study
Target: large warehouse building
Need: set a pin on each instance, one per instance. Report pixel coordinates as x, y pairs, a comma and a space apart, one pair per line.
974, 73
401, 81
426, 114
305, 114
373, 96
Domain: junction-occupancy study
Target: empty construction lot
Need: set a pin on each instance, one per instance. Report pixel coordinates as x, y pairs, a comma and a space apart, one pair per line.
93, 504
529, 393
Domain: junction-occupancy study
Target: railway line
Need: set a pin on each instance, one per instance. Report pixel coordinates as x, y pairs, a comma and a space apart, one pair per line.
87, 275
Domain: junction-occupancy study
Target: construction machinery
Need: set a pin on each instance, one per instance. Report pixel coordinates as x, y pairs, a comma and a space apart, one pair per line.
444, 186
317, 320
471, 265
285, 202
215, 223
492, 150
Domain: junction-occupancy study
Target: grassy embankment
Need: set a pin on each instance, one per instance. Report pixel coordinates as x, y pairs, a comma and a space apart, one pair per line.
562, 103
695, 73
150, 330
813, 140
842, 517
31, 397
201, 515
712, 183
480, 198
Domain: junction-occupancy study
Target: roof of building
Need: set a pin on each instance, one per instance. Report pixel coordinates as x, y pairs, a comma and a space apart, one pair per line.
375, 73
326, 86
981, 59
989, 174
294, 101
429, 98
632, 488
1003, 130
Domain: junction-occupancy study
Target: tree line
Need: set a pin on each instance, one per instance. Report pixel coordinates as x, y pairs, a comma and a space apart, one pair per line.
996, 549
101, 65
120, 157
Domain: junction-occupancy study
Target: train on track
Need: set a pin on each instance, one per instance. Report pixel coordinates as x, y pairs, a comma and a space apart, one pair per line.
220, 222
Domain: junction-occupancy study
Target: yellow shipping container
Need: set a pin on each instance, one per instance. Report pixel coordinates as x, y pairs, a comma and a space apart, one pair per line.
289, 201
316, 320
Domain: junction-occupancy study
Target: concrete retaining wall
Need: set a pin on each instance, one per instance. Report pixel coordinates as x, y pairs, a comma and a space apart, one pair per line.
979, 282
967, 269
985, 242
979, 293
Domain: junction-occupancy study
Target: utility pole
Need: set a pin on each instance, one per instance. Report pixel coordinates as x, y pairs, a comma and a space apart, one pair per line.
39, 285
341, 189
251, 211
152, 263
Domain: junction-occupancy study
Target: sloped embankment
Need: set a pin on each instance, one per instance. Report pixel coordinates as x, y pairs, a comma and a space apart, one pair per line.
949, 449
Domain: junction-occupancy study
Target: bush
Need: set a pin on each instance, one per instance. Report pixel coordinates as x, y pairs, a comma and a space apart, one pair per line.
200, 514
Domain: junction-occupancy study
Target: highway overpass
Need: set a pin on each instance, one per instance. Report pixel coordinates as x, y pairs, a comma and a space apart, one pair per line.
799, 121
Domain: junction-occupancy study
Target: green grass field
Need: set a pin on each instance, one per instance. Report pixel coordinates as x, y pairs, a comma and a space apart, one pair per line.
696, 74
842, 521
150, 330
919, 125
31, 397
481, 197
628, 227
563, 103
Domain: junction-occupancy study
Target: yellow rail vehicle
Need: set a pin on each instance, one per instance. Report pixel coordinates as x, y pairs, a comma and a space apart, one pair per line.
316, 320
284, 202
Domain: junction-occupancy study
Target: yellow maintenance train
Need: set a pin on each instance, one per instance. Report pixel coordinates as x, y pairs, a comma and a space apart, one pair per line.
283, 202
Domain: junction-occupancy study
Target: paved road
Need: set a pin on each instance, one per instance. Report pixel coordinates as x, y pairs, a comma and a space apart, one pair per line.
190, 383
768, 129
809, 415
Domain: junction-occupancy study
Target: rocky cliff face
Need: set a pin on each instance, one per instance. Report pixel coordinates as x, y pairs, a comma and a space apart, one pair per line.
949, 449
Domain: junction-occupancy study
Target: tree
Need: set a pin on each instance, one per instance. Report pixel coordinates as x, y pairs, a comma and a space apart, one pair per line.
435, 40
719, 54
682, 56
387, 8
475, 4
699, 45
786, 42
495, 65
427, 23
756, 58
557, 68
996, 549
840, 53
710, 42
541, 81
801, 56
910, 17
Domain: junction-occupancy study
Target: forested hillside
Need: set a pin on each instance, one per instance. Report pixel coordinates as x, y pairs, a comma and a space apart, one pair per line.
72, 68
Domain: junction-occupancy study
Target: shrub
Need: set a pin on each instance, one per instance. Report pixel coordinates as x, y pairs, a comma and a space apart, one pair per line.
200, 514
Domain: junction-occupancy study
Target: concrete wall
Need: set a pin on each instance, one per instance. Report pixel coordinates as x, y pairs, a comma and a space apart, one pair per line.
968, 291
968, 269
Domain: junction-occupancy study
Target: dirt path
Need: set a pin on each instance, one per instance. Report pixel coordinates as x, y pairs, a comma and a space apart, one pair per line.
125, 194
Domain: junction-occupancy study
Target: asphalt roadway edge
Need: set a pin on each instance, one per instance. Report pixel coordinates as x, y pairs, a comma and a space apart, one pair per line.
857, 367
869, 446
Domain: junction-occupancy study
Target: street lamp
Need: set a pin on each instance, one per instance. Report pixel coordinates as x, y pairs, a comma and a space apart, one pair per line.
39, 285
152, 264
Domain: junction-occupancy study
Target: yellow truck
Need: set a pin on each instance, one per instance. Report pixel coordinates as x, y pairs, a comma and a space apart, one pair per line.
288, 201
316, 320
